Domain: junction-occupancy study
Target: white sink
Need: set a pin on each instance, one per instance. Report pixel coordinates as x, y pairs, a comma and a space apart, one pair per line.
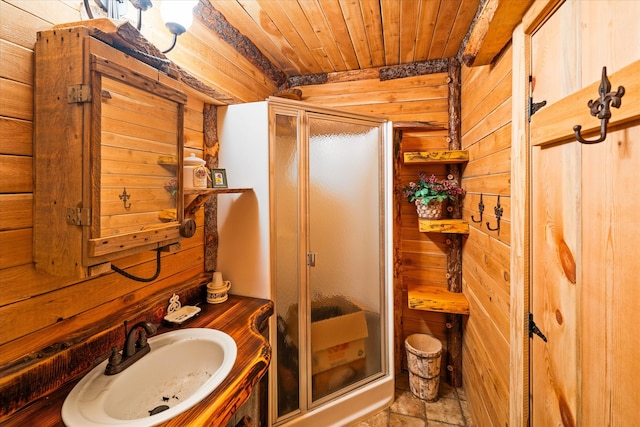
183, 367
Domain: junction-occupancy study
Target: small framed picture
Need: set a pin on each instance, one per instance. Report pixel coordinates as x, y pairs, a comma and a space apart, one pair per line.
219, 178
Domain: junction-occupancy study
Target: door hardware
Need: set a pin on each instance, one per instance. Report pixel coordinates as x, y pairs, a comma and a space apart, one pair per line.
480, 209
533, 329
601, 108
311, 259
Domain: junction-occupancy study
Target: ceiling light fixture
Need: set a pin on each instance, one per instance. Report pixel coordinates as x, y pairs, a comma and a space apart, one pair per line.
176, 14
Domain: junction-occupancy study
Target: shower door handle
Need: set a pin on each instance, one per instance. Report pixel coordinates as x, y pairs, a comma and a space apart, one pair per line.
311, 259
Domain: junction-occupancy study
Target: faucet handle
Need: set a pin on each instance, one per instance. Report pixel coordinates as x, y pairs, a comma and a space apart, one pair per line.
142, 339
114, 359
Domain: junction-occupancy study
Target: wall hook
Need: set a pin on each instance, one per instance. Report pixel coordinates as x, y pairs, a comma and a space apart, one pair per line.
600, 108
124, 197
480, 209
497, 209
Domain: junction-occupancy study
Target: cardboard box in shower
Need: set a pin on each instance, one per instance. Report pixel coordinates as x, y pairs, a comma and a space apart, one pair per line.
335, 340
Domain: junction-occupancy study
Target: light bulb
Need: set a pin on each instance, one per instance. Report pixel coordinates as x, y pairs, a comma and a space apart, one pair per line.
178, 12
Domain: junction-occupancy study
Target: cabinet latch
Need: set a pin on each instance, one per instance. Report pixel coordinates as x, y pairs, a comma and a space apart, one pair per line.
78, 94
79, 216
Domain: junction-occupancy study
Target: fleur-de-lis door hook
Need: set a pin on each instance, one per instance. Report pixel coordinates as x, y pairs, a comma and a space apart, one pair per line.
601, 108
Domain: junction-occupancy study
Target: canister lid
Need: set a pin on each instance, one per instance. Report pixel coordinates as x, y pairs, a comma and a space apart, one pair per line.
192, 160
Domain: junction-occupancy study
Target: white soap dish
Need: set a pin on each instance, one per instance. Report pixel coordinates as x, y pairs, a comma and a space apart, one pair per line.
182, 314
178, 314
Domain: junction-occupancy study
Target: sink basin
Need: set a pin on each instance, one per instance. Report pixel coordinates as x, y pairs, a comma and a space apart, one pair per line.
183, 367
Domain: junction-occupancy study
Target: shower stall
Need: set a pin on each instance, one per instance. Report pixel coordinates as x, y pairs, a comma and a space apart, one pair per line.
314, 236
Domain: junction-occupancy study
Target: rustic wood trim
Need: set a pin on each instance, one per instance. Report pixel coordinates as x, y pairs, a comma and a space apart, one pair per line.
311, 79
454, 248
454, 349
414, 69
398, 344
216, 22
211, 150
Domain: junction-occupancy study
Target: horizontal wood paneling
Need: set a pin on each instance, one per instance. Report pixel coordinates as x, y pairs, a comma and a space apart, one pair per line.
16, 211
42, 314
486, 133
16, 174
16, 62
16, 136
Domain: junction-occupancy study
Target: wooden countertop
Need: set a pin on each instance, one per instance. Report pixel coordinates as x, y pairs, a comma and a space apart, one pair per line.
240, 317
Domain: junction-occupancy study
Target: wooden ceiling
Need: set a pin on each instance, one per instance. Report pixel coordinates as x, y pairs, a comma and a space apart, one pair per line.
307, 37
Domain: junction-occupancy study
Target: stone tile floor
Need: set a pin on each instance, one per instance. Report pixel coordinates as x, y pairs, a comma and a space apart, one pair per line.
409, 411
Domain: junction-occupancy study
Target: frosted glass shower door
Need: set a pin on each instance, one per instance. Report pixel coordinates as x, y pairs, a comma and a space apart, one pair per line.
345, 256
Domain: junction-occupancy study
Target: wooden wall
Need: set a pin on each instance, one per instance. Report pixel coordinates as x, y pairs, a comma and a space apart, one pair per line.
419, 257
486, 133
41, 315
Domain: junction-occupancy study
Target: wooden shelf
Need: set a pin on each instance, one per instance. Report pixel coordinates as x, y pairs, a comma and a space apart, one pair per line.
435, 298
418, 126
440, 156
454, 226
203, 194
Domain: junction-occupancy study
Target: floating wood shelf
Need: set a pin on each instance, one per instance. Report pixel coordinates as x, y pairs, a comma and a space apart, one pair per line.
203, 194
440, 156
435, 298
418, 126
454, 226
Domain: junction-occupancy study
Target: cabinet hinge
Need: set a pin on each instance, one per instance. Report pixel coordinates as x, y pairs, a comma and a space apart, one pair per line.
535, 106
79, 216
533, 329
78, 94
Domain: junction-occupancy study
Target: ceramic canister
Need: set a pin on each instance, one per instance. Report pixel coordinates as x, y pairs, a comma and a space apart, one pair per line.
195, 172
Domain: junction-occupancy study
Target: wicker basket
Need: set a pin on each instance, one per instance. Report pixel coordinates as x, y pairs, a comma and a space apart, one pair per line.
433, 209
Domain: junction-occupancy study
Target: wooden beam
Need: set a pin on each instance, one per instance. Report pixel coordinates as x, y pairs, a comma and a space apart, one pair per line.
211, 150
492, 30
414, 69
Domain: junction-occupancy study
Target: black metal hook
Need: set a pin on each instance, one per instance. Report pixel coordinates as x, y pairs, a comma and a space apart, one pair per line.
480, 209
600, 108
124, 197
497, 209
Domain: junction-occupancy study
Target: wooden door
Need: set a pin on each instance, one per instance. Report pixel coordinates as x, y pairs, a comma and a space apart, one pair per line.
585, 280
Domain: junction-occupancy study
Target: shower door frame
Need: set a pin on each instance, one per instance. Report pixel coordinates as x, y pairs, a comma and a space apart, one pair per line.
307, 407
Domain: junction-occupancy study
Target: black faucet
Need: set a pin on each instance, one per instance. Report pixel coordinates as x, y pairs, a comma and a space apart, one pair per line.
135, 346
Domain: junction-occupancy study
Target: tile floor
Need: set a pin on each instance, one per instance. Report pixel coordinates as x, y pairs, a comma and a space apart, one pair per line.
409, 411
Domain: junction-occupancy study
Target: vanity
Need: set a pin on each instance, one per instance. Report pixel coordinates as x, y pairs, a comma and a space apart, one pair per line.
244, 319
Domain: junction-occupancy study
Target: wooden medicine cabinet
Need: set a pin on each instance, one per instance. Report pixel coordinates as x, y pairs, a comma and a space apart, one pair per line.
107, 155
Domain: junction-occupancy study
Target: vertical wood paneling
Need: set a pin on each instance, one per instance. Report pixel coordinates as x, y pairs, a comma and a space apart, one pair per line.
486, 129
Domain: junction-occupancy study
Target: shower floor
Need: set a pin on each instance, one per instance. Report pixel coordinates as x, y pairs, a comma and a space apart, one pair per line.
408, 411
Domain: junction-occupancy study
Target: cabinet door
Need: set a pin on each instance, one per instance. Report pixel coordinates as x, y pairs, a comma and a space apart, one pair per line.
135, 162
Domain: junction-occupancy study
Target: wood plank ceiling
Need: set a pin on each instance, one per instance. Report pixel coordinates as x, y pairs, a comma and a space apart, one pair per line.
308, 37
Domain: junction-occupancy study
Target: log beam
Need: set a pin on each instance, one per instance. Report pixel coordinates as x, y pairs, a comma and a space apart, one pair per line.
211, 149
216, 22
493, 29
